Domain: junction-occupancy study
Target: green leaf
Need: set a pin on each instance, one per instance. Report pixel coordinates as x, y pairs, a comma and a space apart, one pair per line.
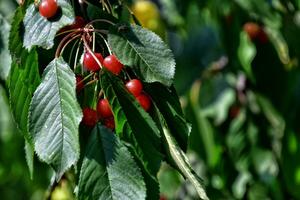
132, 123
202, 139
41, 31
168, 104
108, 170
182, 163
246, 53
4, 52
55, 116
144, 51
22, 81
6, 125
29, 155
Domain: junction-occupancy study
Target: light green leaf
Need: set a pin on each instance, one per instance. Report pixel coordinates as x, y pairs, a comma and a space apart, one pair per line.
29, 155
246, 53
4, 52
55, 116
180, 159
108, 170
41, 31
144, 51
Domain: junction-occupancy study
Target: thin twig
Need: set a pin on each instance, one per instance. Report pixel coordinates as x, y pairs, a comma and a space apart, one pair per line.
90, 51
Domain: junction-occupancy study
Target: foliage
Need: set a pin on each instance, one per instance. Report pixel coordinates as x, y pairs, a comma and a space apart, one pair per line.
228, 113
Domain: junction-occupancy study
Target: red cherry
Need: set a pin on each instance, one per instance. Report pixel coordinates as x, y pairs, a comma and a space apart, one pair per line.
144, 101
79, 23
135, 87
90, 117
79, 83
90, 63
103, 108
113, 64
263, 37
252, 29
48, 8
162, 197
234, 111
110, 123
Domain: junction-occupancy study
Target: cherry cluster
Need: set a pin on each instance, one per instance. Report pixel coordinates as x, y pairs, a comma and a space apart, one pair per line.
255, 32
93, 62
104, 112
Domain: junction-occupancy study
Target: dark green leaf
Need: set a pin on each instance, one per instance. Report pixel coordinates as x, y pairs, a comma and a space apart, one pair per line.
55, 116
144, 51
132, 122
41, 31
168, 104
182, 163
23, 80
108, 170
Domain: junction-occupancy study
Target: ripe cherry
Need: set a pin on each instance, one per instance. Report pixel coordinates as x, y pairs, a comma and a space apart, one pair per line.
113, 64
109, 123
135, 87
252, 29
79, 23
90, 117
103, 108
263, 37
48, 8
90, 63
234, 111
144, 101
79, 83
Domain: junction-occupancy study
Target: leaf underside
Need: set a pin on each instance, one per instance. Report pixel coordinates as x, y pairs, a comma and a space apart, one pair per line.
55, 116
41, 31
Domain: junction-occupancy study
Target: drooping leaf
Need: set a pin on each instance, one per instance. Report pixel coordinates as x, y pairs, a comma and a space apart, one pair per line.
132, 122
4, 52
22, 81
41, 31
202, 139
180, 159
168, 104
6, 125
144, 51
246, 53
29, 155
108, 170
55, 116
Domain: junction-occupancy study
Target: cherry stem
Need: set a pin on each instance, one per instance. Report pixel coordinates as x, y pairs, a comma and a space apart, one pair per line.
100, 94
94, 41
91, 82
85, 78
101, 20
61, 44
90, 51
106, 43
101, 31
72, 50
76, 55
104, 6
69, 31
68, 42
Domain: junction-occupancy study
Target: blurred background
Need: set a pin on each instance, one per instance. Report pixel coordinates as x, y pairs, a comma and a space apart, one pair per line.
239, 80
